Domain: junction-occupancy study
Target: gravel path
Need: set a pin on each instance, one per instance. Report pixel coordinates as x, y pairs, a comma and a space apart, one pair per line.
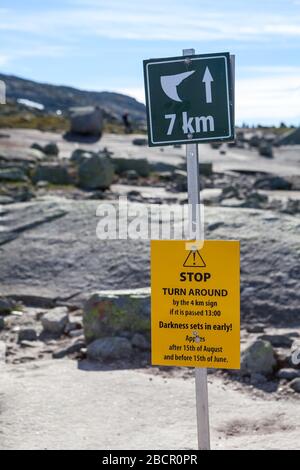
56, 405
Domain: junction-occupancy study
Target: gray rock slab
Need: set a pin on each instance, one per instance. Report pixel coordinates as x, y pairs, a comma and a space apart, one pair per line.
52, 250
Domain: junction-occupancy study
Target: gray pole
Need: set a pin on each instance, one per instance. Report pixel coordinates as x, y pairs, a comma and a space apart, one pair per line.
195, 224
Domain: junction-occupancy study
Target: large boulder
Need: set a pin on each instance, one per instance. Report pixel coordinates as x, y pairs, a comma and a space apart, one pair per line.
140, 165
54, 173
265, 150
109, 348
87, 121
109, 313
96, 172
259, 358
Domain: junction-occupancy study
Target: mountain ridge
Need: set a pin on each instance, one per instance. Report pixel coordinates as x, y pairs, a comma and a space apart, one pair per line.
63, 97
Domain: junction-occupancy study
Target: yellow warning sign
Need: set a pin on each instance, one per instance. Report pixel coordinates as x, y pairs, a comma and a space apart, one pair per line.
195, 304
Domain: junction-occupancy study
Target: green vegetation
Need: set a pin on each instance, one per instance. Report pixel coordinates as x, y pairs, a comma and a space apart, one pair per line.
28, 120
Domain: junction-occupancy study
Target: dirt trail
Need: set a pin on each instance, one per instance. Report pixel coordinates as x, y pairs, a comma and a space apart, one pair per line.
55, 405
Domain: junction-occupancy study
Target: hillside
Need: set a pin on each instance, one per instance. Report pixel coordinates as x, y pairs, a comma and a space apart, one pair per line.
54, 97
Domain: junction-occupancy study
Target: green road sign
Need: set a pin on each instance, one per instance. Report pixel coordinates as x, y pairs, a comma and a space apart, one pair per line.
189, 99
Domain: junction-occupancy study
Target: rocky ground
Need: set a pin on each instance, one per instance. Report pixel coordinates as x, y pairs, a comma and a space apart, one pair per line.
52, 262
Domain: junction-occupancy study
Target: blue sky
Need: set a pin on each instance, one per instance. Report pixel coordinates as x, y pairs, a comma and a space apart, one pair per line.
100, 45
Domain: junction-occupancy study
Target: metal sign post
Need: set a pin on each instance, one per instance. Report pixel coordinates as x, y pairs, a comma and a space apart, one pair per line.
190, 100
196, 227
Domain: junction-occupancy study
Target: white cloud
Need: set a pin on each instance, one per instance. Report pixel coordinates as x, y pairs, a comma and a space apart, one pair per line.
33, 50
155, 21
269, 98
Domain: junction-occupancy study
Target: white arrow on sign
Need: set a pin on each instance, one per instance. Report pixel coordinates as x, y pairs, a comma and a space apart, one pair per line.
207, 79
169, 84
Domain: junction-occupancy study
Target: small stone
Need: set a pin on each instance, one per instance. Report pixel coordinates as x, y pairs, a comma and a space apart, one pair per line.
139, 341
6, 306
140, 165
51, 149
288, 374
31, 344
292, 206
42, 184
295, 385
55, 320
27, 334
272, 183
28, 357
73, 348
2, 323
279, 341
12, 175
76, 333
17, 313
37, 146
55, 173
109, 348
255, 328
73, 324
140, 141
131, 175
16, 329
2, 351
215, 226
255, 200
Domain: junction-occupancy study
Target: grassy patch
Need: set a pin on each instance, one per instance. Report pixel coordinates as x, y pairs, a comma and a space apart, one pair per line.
30, 121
